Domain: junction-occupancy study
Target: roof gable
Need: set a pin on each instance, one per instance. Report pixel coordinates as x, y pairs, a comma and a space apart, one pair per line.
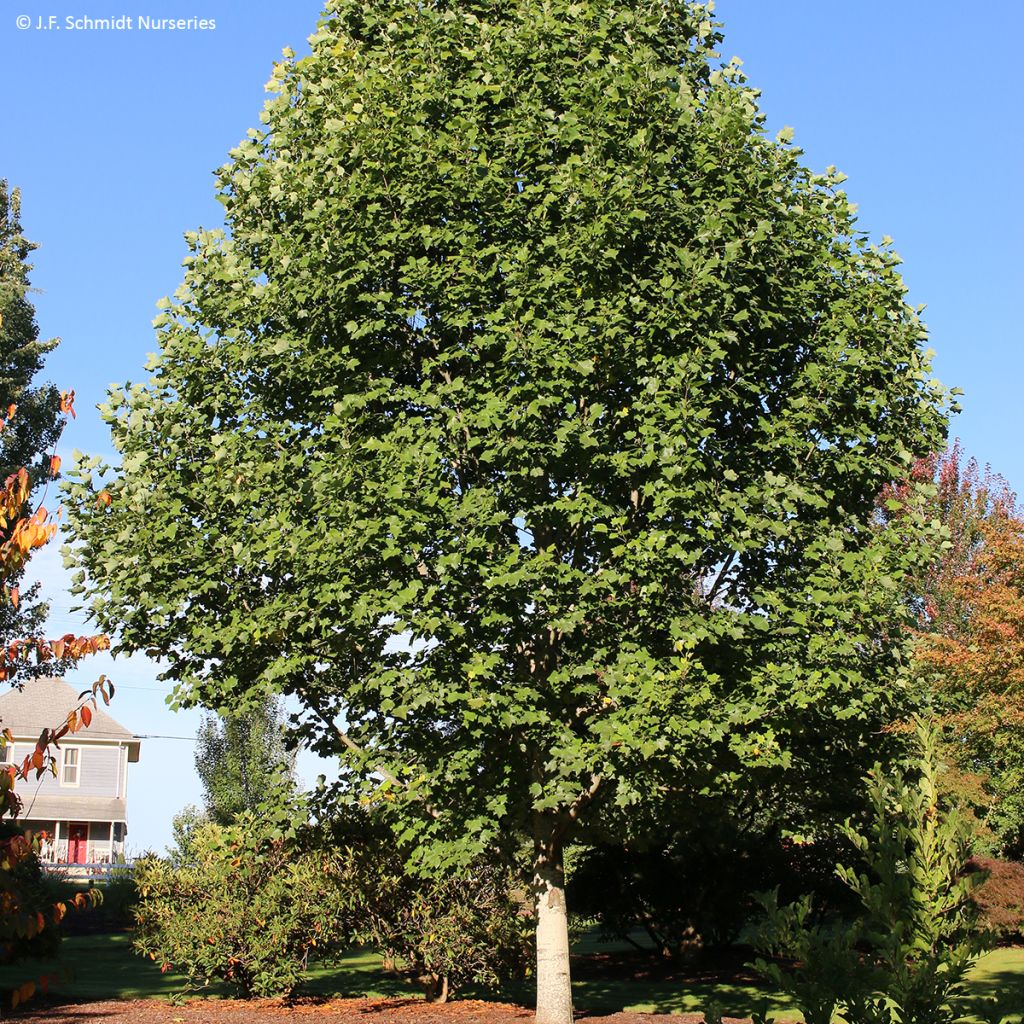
45, 703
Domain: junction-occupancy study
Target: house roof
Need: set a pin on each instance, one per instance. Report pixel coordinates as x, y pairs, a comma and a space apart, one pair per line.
44, 703
77, 808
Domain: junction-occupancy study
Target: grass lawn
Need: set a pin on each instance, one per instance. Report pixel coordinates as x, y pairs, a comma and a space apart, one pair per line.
104, 967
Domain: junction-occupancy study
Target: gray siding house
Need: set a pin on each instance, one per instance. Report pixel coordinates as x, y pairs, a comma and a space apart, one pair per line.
83, 811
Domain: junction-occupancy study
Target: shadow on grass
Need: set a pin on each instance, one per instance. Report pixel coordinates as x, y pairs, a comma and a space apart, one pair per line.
355, 974
606, 983
100, 967
94, 967
995, 988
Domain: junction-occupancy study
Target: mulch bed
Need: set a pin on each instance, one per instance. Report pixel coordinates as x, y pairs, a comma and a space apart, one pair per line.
339, 1011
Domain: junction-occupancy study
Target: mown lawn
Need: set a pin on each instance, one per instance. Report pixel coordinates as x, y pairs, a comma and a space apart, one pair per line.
103, 967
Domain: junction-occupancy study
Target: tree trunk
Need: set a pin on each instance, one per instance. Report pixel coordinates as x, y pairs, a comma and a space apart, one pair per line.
554, 991
436, 986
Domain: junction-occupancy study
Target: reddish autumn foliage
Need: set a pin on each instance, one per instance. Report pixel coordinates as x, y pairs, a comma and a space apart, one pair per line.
969, 639
966, 498
1000, 898
971, 634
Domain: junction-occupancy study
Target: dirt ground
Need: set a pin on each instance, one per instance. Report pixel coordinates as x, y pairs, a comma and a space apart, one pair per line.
339, 1011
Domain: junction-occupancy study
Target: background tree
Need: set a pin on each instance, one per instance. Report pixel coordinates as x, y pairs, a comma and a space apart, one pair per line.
970, 639
28, 438
242, 761
528, 421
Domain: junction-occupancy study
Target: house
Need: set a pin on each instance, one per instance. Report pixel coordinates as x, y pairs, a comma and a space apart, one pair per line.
82, 813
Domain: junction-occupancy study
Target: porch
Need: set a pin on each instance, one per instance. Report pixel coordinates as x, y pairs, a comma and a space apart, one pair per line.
72, 843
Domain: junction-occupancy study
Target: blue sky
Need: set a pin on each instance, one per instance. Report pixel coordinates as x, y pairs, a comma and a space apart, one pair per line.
113, 136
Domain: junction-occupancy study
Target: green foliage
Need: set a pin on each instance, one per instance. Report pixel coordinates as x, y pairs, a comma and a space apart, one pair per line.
826, 971
531, 412
242, 761
525, 424
917, 921
248, 909
449, 930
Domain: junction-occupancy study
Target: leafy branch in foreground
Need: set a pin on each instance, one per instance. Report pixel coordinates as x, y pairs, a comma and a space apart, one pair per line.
30, 429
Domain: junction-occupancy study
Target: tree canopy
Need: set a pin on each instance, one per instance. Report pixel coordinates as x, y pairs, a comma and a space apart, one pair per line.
526, 423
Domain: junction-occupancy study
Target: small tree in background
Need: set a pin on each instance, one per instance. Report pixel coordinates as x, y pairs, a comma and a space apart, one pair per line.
242, 761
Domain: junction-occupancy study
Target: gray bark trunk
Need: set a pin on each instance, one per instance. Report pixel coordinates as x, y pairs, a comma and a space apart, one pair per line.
554, 989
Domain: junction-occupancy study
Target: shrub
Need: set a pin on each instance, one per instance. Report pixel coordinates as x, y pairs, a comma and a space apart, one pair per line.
470, 926
247, 909
1000, 898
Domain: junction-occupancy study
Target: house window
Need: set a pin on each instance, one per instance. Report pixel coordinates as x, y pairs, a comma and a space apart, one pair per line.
70, 766
6, 753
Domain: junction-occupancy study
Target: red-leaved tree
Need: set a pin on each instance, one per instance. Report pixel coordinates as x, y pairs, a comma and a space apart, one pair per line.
970, 637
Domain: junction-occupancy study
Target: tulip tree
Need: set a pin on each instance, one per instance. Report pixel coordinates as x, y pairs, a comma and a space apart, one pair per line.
525, 424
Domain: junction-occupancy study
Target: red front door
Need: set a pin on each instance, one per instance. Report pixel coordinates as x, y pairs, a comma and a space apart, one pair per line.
78, 843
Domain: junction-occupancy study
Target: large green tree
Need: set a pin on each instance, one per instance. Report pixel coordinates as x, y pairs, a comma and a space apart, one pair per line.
28, 437
525, 424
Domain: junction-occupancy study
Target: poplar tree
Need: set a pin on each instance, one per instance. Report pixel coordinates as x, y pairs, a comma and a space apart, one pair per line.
525, 423
242, 761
